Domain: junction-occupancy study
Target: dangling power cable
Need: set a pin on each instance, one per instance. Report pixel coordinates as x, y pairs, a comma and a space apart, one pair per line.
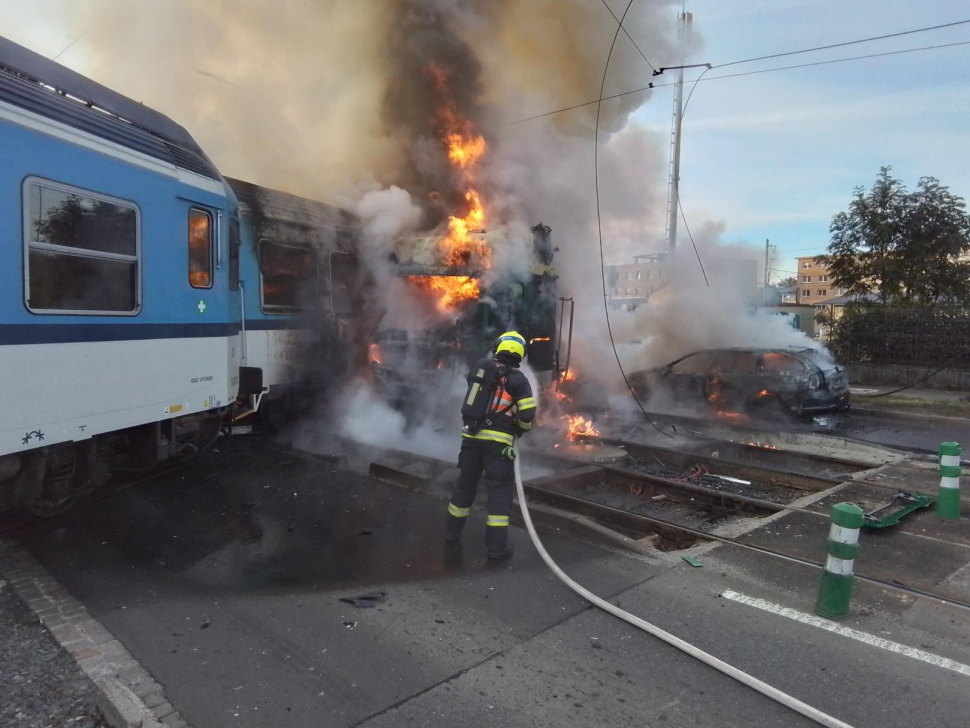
599, 228
683, 217
742, 677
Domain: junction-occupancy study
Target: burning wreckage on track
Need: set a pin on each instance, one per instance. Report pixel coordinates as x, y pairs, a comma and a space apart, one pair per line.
469, 301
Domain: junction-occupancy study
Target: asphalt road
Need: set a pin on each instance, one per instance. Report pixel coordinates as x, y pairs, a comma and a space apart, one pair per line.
225, 582
903, 432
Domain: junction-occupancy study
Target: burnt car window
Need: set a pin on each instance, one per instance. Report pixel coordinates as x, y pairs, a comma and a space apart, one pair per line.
741, 362
821, 359
700, 363
778, 361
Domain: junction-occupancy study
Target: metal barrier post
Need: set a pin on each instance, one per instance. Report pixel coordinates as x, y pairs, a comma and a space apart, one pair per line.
842, 545
948, 501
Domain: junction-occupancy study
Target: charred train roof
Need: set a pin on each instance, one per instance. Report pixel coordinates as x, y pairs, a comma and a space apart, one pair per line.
41, 86
274, 211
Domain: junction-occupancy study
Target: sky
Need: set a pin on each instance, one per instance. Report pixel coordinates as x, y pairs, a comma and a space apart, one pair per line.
776, 155
768, 156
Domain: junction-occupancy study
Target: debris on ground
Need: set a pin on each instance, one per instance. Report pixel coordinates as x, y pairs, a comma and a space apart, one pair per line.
692, 561
701, 475
892, 512
366, 601
206, 622
826, 422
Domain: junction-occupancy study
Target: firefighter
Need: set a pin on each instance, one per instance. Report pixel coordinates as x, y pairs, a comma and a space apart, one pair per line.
508, 408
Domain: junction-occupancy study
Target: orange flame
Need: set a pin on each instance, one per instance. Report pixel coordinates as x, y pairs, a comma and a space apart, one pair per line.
458, 244
375, 354
465, 148
451, 291
764, 445
730, 416
580, 427
465, 151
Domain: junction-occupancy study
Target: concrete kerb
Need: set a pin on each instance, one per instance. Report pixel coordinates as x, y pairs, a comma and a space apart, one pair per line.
124, 689
903, 414
122, 708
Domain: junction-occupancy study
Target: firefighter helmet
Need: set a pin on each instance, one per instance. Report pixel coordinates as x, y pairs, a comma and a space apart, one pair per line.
511, 342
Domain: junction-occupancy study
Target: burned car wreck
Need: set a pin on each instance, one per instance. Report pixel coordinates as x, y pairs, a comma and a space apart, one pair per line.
768, 383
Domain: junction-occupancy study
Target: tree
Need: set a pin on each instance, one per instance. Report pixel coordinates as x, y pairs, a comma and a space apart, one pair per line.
789, 282
903, 246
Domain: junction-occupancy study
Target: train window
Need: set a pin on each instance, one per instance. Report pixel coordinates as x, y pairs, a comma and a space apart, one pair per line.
288, 273
343, 280
82, 251
200, 248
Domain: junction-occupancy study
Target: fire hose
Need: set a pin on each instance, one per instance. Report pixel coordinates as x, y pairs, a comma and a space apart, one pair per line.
752, 682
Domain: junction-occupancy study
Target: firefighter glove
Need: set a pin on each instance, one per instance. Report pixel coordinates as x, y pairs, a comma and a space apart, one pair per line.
509, 452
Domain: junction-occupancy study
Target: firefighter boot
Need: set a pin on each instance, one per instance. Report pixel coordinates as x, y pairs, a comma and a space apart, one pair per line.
453, 528
497, 542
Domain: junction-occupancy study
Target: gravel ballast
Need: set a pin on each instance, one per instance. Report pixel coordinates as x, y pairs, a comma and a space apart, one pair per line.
40, 684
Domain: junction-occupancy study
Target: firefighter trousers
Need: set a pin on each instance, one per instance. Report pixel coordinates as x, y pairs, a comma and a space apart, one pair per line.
483, 460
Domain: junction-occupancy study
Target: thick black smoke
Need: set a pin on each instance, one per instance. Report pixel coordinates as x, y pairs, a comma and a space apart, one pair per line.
434, 88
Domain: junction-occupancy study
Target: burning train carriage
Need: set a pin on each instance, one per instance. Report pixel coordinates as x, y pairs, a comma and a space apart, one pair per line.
299, 280
473, 304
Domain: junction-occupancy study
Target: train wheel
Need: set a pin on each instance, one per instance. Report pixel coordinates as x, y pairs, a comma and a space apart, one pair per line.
53, 490
48, 508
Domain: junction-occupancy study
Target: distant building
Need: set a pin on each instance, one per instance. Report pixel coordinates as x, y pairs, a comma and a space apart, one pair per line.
631, 284
835, 307
815, 283
798, 316
781, 295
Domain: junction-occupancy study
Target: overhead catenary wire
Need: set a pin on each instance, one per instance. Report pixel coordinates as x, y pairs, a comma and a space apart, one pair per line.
599, 227
840, 60
642, 55
650, 87
742, 677
677, 182
691, 237
692, 89
845, 43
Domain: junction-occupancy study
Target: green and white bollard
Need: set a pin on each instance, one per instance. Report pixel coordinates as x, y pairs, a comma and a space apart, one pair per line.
842, 545
948, 502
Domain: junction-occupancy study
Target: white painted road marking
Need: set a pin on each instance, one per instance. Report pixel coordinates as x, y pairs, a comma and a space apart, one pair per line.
854, 634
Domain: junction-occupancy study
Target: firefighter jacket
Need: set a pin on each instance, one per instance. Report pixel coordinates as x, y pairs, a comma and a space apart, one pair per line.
515, 411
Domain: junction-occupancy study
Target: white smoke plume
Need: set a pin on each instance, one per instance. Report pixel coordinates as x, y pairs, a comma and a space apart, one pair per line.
318, 99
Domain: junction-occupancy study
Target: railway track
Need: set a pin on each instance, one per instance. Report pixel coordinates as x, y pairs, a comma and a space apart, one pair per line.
667, 513
652, 496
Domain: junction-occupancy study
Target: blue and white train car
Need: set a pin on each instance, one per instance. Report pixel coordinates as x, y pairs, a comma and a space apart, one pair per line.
120, 309
141, 304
